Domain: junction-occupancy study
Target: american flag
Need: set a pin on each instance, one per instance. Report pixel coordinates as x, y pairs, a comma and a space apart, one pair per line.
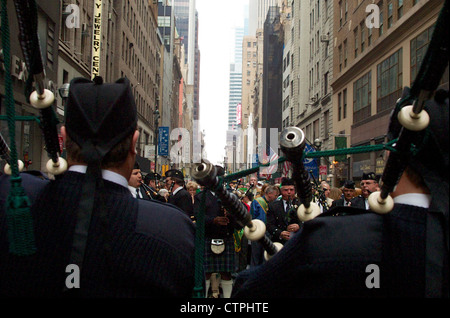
286, 168
266, 158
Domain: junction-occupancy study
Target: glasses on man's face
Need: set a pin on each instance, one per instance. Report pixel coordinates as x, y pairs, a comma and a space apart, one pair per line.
325, 189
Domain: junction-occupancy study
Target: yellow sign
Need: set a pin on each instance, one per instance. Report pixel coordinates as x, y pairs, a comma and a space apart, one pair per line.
96, 38
164, 168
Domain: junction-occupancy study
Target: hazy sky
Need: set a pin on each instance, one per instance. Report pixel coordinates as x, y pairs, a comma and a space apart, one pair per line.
217, 19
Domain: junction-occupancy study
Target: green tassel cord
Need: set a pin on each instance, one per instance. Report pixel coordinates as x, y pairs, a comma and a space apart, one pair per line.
18, 212
198, 291
19, 220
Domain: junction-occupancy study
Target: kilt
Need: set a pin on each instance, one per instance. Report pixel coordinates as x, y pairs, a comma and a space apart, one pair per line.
224, 262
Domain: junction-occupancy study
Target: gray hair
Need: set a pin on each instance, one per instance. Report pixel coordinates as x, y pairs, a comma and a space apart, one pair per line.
270, 189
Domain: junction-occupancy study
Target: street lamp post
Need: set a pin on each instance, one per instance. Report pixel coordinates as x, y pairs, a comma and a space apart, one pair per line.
156, 115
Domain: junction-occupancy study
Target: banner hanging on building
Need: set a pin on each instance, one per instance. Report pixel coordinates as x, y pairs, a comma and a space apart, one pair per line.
239, 113
340, 143
96, 38
163, 141
311, 163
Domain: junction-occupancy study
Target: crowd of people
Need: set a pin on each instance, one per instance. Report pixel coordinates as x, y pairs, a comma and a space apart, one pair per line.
227, 250
130, 235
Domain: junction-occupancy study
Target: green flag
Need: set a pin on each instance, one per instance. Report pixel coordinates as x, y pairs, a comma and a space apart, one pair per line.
340, 142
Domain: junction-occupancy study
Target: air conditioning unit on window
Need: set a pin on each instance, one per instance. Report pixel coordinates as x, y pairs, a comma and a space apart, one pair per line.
324, 38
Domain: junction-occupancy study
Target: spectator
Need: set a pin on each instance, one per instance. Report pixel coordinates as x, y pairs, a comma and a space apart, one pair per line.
335, 194
192, 188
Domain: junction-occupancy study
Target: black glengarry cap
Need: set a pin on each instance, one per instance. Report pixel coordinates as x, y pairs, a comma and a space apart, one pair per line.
99, 114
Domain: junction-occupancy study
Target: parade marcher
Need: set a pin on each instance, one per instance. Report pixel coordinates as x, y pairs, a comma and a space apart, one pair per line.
92, 238
403, 253
348, 191
369, 184
258, 210
282, 220
135, 183
178, 195
219, 253
323, 197
244, 252
151, 188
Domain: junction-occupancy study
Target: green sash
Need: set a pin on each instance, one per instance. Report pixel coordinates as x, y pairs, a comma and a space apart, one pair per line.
263, 203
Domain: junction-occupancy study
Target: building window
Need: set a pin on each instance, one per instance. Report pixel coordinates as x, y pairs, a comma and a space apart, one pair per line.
340, 57
344, 102
317, 72
345, 10
355, 33
339, 106
362, 94
326, 119
390, 14
419, 47
315, 129
389, 81
363, 37
380, 29
345, 53
399, 9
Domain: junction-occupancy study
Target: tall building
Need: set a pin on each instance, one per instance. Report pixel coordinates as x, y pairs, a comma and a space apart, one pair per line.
249, 63
235, 83
186, 19
258, 82
272, 80
258, 12
287, 115
371, 67
310, 100
133, 47
233, 138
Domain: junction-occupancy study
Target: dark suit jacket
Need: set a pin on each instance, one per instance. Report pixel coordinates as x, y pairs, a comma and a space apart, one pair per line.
345, 256
212, 209
338, 202
147, 241
145, 196
33, 188
153, 195
183, 200
359, 202
277, 219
